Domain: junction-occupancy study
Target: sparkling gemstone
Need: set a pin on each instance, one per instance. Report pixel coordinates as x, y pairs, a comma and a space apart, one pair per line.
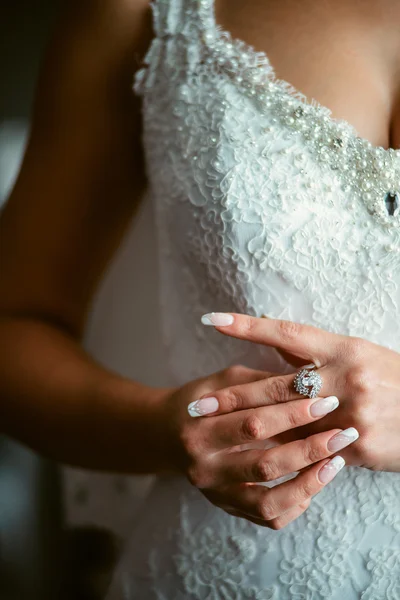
392, 202
338, 143
298, 112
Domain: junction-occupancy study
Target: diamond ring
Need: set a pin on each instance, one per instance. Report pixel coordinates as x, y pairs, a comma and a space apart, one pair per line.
308, 382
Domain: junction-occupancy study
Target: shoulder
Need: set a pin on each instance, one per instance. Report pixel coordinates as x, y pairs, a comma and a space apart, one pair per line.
129, 22
115, 27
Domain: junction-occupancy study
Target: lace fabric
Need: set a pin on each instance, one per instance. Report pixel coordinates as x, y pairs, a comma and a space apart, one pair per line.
255, 214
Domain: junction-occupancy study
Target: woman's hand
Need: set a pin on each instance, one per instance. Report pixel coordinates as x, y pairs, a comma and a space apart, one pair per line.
364, 376
210, 451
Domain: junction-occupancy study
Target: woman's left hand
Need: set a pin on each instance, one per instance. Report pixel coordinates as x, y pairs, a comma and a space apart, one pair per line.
364, 376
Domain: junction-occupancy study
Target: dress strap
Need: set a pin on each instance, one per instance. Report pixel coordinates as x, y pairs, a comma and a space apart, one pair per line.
171, 17
166, 16
178, 26
205, 13
199, 13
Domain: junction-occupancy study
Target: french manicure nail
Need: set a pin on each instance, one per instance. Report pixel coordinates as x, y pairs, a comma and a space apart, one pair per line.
204, 406
343, 439
331, 469
323, 406
216, 318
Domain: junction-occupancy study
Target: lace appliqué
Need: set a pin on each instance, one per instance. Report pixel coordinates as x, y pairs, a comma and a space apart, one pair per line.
384, 566
320, 553
214, 562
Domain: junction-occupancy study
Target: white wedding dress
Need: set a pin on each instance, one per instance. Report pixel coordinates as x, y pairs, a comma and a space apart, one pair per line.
264, 203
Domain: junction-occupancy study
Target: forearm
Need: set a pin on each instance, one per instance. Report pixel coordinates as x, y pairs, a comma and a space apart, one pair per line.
56, 399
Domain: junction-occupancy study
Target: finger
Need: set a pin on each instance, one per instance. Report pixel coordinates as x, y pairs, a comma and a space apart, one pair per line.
289, 516
279, 522
268, 504
237, 374
275, 389
240, 515
259, 424
304, 341
233, 376
261, 466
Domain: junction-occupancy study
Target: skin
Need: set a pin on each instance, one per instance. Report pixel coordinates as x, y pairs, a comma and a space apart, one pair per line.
80, 184
364, 375
356, 45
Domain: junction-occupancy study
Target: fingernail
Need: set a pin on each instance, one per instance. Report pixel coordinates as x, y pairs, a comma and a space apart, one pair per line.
324, 406
331, 469
205, 406
343, 439
216, 318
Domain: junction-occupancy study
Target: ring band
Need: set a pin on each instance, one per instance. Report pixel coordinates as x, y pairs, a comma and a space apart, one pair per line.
308, 382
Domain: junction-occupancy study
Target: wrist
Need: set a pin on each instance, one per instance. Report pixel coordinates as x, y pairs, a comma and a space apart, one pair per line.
139, 425
163, 423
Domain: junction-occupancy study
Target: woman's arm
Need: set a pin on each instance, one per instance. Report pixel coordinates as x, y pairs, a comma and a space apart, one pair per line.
80, 181
60, 402
78, 188
83, 172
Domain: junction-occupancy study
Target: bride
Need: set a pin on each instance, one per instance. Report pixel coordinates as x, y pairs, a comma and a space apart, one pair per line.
267, 137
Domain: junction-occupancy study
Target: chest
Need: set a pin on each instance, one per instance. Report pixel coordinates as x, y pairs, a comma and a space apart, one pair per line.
266, 200
345, 56
261, 222
395, 130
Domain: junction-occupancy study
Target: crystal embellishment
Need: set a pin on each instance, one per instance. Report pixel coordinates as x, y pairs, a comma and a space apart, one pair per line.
365, 172
308, 382
392, 201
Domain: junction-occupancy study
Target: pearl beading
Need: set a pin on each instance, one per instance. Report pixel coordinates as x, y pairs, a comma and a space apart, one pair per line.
366, 172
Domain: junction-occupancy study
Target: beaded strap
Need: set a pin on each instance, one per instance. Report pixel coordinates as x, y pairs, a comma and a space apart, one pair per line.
178, 26
205, 13
170, 18
174, 17
166, 16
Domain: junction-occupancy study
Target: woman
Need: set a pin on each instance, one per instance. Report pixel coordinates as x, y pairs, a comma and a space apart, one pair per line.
266, 202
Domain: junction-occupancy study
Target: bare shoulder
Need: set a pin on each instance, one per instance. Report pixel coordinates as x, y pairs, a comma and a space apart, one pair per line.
117, 25
130, 21
83, 173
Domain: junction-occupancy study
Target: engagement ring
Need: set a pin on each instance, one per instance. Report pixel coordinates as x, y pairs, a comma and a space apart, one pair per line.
308, 382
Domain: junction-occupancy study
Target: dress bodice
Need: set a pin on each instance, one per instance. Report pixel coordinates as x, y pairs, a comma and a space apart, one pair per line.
264, 204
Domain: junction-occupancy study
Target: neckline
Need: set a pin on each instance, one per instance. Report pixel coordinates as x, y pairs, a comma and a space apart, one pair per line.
269, 78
